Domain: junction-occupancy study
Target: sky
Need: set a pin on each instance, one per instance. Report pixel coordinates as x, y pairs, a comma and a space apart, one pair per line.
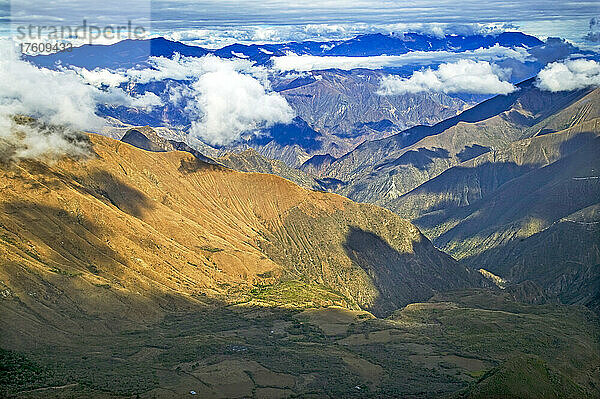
218, 22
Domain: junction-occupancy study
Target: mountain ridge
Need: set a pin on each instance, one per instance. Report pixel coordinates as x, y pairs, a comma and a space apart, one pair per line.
227, 239
130, 52
372, 169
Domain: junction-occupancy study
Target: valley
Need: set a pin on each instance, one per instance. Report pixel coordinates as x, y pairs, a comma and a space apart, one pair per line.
124, 302
249, 351
400, 213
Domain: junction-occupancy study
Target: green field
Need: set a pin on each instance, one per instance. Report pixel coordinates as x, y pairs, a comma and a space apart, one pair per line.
463, 344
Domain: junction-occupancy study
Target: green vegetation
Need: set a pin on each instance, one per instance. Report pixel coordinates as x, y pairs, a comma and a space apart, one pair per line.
211, 249
472, 343
18, 372
526, 377
65, 272
296, 294
477, 374
102, 285
93, 269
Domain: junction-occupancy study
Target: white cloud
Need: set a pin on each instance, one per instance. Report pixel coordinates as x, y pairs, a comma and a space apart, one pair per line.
293, 62
54, 97
228, 103
464, 76
62, 99
219, 36
569, 75
222, 98
99, 77
66, 97
223, 22
177, 68
190, 68
31, 140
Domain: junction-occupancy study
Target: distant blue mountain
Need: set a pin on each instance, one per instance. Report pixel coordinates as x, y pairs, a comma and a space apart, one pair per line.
131, 53
124, 54
378, 44
135, 53
297, 132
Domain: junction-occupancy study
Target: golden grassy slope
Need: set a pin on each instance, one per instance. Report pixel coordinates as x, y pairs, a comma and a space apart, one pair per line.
126, 232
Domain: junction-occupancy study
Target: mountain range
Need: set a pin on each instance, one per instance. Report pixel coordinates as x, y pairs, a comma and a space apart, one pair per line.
531, 148
174, 274
336, 110
130, 53
497, 186
422, 245
470, 164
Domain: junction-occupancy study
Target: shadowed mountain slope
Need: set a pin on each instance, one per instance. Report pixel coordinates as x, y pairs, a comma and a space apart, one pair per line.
153, 274
528, 212
248, 160
129, 53
474, 179
147, 139
251, 161
152, 225
498, 187
383, 170
317, 164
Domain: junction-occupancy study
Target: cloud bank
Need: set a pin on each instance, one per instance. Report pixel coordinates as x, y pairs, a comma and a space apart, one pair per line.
21, 138
58, 97
303, 63
569, 75
62, 99
176, 68
464, 76
216, 37
219, 22
222, 98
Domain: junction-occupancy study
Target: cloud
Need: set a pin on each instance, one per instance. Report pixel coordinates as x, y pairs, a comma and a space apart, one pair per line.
216, 36
189, 68
223, 99
302, 63
228, 103
62, 99
280, 20
54, 97
594, 34
66, 97
569, 75
161, 68
21, 138
219, 22
99, 77
464, 76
